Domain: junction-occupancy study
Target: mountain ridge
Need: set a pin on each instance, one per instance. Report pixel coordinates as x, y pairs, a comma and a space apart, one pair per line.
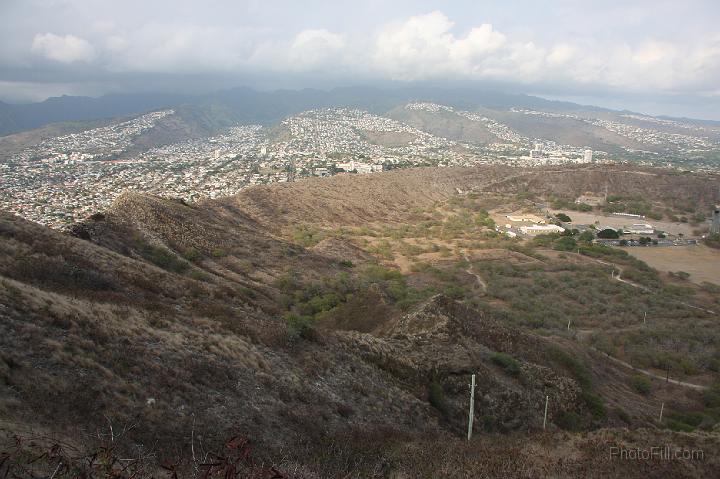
250, 105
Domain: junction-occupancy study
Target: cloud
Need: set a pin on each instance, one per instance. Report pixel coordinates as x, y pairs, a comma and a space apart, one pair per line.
314, 49
424, 47
429, 46
65, 49
310, 50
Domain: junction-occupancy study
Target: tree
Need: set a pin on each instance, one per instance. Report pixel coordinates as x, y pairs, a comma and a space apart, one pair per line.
563, 217
566, 243
608, 233
586, 236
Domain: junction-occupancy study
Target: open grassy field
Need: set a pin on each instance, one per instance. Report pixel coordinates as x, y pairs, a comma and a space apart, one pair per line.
701, 262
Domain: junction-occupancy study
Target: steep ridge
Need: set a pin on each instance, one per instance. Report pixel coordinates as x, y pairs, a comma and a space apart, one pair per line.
393, 195
143, 353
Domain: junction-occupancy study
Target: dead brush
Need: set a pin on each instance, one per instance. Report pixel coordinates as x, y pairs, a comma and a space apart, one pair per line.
42, 456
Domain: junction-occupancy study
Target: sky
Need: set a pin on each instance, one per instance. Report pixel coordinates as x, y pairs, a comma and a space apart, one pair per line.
654, 56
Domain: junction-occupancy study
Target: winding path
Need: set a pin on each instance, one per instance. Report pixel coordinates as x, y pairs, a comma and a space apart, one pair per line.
649, 373
644, 288
469, 270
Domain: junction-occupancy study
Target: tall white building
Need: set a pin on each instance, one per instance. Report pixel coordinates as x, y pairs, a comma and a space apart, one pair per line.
587, 156
537, 151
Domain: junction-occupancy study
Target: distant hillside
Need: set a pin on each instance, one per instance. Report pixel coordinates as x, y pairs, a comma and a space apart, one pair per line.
252, 106
444, 124
74, 108
187, 123
14, 143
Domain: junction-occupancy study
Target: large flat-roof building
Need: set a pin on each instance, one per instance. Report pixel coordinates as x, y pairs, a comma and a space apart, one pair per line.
525, 218
641, 229
541, 229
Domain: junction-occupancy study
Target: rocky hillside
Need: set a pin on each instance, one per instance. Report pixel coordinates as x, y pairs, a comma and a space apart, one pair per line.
166, 329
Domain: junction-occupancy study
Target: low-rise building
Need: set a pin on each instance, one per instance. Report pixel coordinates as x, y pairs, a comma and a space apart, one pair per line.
525, 218
641, 229
541, 229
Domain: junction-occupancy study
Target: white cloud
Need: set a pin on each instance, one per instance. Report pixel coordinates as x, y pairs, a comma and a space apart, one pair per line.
420, 47
314, 49
424, 46
561, 53
65, 49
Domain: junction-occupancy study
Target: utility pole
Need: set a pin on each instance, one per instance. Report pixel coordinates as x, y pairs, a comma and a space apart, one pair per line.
645, 318
569, 324
547, 398
472, 406
662, 406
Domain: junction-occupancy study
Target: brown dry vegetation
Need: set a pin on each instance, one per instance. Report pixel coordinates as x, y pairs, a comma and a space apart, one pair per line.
335, 322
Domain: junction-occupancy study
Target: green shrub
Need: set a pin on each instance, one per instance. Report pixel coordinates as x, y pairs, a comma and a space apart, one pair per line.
488, 423
566, 243
622, 415
545, 240
163, 258
608, 233
307, 236
680, 426
587, 236
691, 419
298, 326
573, 365
595, 404
568, 420
199, 275
641, 384
507, 362
436, 398
711, 397
192, 254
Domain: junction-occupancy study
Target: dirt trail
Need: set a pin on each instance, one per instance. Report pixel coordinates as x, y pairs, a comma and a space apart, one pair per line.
619, 277
585, 332
469, 270
650, 373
